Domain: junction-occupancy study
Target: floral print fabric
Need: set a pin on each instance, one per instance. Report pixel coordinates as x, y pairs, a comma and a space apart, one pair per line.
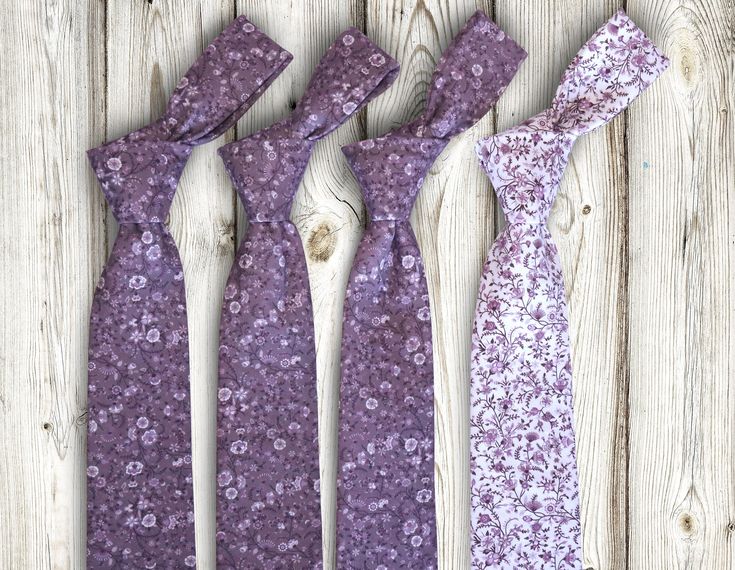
140, 506
268, 513
525, 492
385, 504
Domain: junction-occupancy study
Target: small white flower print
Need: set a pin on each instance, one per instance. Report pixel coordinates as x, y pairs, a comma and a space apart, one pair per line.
134, 468
224, 478
153, 335
239, 447
137, 282
149, 437
349, 108
412, 344
410, 526
92, 471
408, 261
377, 59
224, 394
279, 444
142, 422
416, 541
231, 493
348, 40
114, 163
235, 307
148, 521
154, 252
230, 291
410, 444
423, 496
245, 261
371, 403
419, 358
248, 27
423, 314
190, 561
147, 237
476, 70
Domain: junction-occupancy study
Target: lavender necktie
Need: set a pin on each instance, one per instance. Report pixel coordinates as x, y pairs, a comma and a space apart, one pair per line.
140, 506
525, 497
268, 512
385, 503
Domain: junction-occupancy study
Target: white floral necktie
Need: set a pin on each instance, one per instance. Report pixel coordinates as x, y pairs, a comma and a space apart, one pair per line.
525, 492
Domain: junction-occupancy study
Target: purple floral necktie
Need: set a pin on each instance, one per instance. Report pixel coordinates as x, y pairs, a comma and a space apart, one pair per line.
525, 494
385, 504
140, 506
268, 512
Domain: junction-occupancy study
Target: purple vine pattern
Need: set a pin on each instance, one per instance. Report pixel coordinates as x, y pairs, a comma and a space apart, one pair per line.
525, 490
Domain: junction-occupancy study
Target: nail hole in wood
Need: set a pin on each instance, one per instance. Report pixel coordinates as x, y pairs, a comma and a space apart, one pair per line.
47, 426
586, 210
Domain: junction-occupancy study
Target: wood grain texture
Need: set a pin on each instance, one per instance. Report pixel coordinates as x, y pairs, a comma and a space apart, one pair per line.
53, 248
645, 223
682, 299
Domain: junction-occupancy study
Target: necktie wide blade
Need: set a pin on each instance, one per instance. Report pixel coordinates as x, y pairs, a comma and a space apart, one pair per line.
524, 488
385, 504
140, 505
268, 511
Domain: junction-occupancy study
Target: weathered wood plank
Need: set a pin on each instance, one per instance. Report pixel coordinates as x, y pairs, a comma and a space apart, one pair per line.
589, 225
326, 207
53, 249
150, 47
682, 299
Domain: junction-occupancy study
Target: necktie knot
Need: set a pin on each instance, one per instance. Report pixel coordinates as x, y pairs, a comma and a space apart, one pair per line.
469, 78
526, 163
390, 171
139, 177
266, 168
140, 171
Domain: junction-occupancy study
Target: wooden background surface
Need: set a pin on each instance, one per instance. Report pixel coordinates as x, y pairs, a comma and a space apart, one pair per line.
645, 223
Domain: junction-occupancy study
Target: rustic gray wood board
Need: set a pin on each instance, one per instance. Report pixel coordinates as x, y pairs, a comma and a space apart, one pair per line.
645, 223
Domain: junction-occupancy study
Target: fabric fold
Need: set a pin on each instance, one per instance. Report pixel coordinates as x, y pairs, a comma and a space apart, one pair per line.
524, 486
140, 510
385, 504
268, 512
